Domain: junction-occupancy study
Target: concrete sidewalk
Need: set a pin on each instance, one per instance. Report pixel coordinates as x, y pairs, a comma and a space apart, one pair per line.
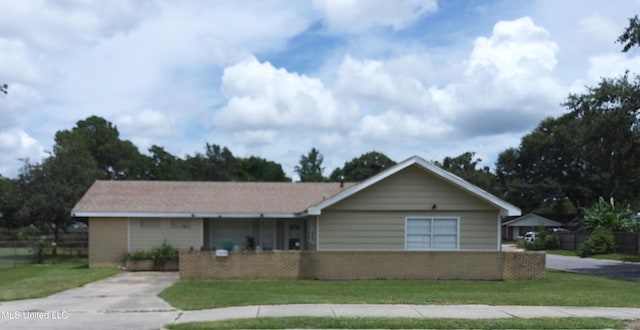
412, 311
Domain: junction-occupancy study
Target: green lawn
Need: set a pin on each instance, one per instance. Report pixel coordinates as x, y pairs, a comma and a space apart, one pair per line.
402, 323
558, 289
40, 280
14, 257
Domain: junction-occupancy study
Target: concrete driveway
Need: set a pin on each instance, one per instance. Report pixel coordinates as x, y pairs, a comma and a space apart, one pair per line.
613, 269
125, 301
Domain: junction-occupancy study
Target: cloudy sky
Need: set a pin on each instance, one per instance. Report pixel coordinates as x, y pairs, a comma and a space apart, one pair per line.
276, 78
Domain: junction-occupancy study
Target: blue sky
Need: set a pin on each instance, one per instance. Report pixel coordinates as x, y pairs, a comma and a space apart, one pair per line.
276, 78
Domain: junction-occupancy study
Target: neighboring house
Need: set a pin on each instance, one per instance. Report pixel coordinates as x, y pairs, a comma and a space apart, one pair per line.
414, 205
512, 227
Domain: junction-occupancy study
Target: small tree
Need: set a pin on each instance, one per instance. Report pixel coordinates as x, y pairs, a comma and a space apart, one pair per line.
310, 168
606, 215
599, 242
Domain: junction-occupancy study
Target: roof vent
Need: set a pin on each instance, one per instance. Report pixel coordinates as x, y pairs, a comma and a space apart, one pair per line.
324, 197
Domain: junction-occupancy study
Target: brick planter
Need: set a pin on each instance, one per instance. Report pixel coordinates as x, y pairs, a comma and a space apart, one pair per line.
148, 265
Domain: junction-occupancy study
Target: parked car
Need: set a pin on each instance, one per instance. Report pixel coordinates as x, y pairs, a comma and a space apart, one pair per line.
530, 236
558, 230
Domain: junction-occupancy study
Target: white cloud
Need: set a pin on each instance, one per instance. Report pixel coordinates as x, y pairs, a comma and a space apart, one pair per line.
56, 25
256, 137
353, 16
516, 49
263, 97
147, 122
15, 144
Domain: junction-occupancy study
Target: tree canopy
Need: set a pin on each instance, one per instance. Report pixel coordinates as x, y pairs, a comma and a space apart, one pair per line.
362, 168
310, 167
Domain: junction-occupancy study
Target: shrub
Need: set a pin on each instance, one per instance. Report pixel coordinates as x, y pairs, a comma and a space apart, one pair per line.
159, 254
163, 253
599, 242
543, 241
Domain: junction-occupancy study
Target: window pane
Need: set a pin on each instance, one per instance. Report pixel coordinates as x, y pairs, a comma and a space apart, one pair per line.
432, 233
418, 242
419, 226
445, 226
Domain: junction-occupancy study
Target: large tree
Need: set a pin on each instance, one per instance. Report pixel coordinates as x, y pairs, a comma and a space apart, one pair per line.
259, 169
592, 151
362, 168
310, 167
10, 203
116, 158
467, 167
165, 166
50, 189
631, 35
610, 116
216, 164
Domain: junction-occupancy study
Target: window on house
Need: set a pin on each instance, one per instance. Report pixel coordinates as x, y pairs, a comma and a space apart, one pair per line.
431, 233
311, 231
229, 234
268, 235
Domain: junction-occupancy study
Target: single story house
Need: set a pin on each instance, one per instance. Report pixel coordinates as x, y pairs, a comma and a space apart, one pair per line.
515, 226
414, 205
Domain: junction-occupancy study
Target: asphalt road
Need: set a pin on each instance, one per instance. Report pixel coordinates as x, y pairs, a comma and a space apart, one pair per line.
613, 269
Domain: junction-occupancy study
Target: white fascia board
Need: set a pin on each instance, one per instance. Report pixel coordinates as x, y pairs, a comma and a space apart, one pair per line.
97, 214
317, 209
505, 207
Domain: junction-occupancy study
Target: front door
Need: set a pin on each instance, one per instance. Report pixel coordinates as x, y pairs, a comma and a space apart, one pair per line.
293, 236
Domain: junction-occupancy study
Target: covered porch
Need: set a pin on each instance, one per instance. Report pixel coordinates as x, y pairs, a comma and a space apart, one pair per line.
263, 234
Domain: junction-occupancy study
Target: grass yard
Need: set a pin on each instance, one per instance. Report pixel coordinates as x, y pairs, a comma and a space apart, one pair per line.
40, 280
402, 323
558, 289
14, 257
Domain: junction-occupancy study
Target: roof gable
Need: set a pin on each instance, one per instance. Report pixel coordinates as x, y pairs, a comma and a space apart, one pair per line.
532, 219
506, 208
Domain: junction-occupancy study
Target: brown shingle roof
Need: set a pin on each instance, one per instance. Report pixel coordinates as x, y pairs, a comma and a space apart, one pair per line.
204, 197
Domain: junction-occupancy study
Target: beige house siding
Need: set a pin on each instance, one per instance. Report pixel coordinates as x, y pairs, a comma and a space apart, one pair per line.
413, 189
107, 241
374, 218
182, 233
361, 230
479, 230
341, 230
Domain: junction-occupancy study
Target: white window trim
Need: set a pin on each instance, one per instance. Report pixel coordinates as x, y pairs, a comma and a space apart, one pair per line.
406, 234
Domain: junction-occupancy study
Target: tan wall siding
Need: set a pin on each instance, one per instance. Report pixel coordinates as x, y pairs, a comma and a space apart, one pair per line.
479, 231
147, 233
107, 241
340, 230
413, 189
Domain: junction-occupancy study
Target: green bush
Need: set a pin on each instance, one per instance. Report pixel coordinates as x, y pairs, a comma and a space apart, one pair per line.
543, 241
159, 254
601, 241
163, 253
139, 255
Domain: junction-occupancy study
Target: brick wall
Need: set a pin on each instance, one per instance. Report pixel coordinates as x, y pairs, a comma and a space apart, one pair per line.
476, 265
